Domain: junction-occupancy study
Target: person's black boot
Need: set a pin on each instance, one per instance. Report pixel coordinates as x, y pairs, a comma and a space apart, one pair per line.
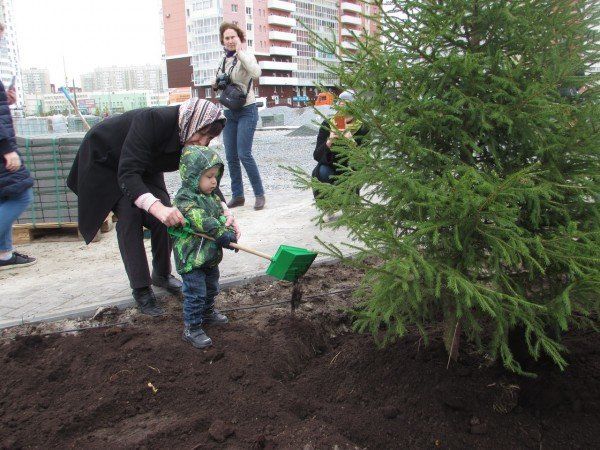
146, 302
196, 336
170, 283
214, 317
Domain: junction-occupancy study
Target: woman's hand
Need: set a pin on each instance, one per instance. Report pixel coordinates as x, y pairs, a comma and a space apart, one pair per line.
13, 162
332, 137
231, 221
168, 215
238, 45
11, 96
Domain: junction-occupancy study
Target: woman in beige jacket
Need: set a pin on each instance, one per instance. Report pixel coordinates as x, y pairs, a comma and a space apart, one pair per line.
240, 126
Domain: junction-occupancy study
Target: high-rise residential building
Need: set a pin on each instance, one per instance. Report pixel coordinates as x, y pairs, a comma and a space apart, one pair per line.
35, 81
9, 50
176, 57
276, 32
127, 78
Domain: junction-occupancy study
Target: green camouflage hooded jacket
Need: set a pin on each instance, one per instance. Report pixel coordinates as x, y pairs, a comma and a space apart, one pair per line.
203, 212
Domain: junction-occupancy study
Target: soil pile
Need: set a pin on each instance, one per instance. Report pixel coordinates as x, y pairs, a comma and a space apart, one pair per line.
277, 380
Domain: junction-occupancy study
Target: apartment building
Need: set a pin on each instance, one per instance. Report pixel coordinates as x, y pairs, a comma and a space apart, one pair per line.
35, 81
9, 50
276, 32
123, 78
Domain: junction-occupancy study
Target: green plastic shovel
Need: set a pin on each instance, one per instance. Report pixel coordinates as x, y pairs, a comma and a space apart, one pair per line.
289, 263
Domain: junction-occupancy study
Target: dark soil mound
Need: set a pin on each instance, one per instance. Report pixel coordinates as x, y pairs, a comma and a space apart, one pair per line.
274, 379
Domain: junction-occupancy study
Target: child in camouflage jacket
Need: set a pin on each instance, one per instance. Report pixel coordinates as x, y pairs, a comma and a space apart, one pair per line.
197, 259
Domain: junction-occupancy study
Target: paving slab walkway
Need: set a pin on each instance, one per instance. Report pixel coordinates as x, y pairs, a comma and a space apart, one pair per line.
72, 279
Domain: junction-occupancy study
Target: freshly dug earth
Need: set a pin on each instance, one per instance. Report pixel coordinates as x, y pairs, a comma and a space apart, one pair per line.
280, 380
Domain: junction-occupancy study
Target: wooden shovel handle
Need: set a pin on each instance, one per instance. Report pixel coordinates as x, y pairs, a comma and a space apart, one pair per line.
240, 247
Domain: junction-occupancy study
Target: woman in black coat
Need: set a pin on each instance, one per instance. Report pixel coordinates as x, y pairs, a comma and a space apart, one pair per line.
120, 166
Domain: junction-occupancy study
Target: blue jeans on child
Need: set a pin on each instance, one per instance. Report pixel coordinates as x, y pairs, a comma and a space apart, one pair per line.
237, 138
200, 287
10, 210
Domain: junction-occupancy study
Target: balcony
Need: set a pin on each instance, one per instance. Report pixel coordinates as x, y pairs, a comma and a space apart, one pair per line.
282, 36
353, 20
346, 6
283, 51
351, 33
283, 21
349, 45
282, 6
278, 65
278, 81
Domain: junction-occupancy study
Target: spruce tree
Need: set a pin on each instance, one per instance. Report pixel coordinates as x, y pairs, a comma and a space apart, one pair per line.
479, 176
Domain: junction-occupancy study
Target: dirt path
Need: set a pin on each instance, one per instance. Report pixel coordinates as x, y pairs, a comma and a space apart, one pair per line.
277, 380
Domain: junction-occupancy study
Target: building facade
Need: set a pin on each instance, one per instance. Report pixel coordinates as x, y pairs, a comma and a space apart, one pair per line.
35, 81
276, 32
9, 50
97, 103
116, 78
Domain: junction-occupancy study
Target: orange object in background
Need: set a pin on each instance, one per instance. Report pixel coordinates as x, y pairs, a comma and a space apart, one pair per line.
179, 95
324, 98
340, 122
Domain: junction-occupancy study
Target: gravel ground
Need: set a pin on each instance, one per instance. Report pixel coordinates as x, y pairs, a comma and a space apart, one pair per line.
271, 149
298, 116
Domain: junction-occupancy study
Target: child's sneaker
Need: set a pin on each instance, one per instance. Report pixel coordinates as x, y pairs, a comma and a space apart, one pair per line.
17, 259
214, 317
197, 337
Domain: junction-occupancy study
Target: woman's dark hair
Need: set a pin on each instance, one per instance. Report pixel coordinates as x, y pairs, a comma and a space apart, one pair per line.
213, 129
231, 26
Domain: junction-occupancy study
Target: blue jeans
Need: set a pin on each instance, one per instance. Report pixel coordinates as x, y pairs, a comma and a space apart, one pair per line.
200, 287
10, 210
325, 172
237, 138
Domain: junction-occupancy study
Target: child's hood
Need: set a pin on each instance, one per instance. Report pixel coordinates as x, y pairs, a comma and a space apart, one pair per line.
194, 161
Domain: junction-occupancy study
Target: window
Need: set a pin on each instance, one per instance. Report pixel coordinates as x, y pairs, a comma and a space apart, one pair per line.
250, 43
234, 8
248, 10
208, 93
249, 26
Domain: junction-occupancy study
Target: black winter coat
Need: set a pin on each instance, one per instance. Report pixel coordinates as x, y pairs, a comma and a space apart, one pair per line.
11, 183
121, 156
323, 154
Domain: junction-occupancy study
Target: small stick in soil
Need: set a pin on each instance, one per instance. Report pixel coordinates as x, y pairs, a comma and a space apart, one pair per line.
453, 353
296, 295
335, 357
115, 375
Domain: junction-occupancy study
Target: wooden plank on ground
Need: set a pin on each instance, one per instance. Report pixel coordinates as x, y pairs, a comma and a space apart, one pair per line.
27, 232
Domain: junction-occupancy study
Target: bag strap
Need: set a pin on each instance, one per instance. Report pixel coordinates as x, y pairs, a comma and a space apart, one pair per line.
232, 66
235, 60
222, 67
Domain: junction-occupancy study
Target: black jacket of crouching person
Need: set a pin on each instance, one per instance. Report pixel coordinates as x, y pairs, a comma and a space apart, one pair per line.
326, 156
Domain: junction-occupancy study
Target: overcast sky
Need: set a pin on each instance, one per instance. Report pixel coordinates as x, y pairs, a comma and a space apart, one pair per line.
87, 33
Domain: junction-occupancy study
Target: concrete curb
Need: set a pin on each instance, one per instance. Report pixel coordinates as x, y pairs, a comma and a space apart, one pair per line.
127, 302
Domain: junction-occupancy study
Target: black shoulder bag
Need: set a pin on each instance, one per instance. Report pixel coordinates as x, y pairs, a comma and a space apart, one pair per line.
233, 96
